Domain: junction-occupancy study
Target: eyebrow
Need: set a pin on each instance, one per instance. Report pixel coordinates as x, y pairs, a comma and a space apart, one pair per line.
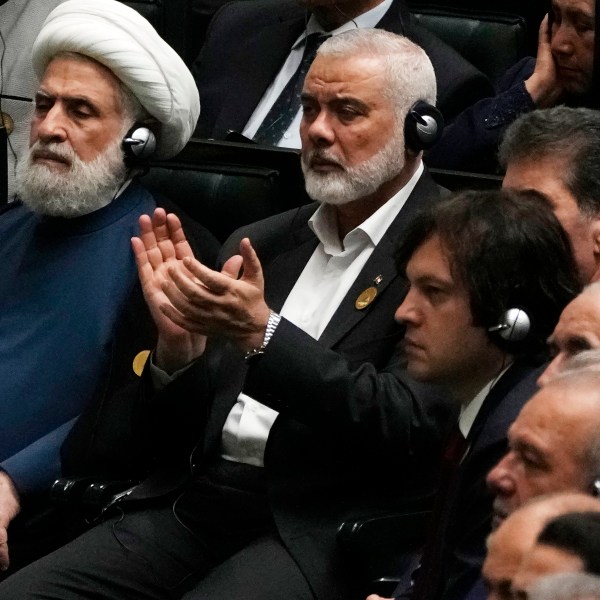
307, 96
578, 342
76, 100
427, 279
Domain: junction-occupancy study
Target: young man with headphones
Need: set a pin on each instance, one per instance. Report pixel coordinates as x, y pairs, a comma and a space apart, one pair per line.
275, 401
489, 274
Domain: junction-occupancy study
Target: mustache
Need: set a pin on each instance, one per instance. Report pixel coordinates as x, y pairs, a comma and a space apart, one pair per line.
53, 151
322, 154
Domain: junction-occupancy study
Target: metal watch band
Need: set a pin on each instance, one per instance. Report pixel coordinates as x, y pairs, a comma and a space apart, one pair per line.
272, 323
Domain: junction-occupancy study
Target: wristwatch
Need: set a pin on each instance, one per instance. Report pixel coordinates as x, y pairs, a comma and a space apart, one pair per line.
272, 323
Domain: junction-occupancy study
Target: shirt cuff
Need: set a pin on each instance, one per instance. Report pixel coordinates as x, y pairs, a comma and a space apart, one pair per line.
161, 379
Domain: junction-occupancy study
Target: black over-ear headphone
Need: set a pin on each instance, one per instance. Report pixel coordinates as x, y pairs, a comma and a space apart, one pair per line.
139, 143
423, 126
513, 326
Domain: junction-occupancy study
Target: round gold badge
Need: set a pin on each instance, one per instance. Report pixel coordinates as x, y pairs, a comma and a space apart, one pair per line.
365, 298
139, 361
8, 122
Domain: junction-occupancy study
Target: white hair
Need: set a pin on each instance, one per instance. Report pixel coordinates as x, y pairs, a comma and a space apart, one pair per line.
566, 586
409, 71
84, 188
585, 379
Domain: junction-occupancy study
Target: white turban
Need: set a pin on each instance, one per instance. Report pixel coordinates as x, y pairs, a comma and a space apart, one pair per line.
121, 39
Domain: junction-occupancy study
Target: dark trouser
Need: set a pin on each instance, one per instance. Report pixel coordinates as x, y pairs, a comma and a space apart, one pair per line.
225, 547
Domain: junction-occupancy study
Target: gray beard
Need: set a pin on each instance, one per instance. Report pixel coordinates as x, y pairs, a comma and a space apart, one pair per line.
353, 183
84, 188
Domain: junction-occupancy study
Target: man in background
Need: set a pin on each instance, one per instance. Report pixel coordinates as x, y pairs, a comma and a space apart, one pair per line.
557, 153
563, 72
552, 443
569, 543
252, 65
20, 22
508, 544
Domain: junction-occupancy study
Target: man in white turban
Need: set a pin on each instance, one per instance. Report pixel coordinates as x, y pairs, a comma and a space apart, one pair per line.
72, 318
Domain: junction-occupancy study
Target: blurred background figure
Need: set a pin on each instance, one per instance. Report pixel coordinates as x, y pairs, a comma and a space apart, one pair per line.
20, 22
568, 543
565, 586
516, 535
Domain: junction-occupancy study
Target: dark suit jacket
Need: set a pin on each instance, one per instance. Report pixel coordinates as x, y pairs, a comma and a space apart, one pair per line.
248, 42
347, 412
135, 332
470, 142
469, 518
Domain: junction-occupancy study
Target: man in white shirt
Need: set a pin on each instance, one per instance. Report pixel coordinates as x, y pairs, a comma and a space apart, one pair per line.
256, 462
253, 49
484, 295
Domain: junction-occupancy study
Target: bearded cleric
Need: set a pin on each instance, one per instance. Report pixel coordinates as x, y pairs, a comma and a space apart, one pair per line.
68, 277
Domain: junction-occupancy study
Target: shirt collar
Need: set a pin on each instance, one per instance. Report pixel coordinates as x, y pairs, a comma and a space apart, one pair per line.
366, 20
469, 411
324, 226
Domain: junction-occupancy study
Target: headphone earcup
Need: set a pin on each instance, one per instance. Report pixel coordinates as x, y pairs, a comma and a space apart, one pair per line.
139, 143
514, 325
423, 126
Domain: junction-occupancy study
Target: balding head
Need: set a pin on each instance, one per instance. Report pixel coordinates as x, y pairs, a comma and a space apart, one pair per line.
518, 533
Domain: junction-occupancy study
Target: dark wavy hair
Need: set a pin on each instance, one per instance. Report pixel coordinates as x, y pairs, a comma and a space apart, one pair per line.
576, 533
509, 251
561, 132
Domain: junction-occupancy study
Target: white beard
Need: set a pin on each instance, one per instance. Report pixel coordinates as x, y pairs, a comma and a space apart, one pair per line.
356, 182
84, 188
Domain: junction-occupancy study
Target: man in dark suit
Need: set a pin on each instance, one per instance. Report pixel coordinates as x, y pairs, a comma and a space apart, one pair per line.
275, 403
484, 296
252, 49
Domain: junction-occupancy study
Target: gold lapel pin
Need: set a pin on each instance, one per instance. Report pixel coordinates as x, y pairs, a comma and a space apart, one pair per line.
7, 122
367, 296
139, 362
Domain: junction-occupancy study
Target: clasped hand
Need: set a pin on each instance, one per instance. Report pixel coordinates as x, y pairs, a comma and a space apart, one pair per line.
190, 301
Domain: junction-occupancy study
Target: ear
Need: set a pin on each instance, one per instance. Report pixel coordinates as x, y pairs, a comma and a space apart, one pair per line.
596, 239
595, 233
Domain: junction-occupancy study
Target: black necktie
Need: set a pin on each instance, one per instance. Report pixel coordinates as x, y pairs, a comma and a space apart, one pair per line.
283, 111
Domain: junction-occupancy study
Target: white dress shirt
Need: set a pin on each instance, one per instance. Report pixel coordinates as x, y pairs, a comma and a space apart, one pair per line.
291, 138
322, 285
469, 411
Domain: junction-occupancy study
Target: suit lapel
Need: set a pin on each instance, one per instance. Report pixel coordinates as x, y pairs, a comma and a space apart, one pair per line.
283, 272
381, 263
270, 47
396, 19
